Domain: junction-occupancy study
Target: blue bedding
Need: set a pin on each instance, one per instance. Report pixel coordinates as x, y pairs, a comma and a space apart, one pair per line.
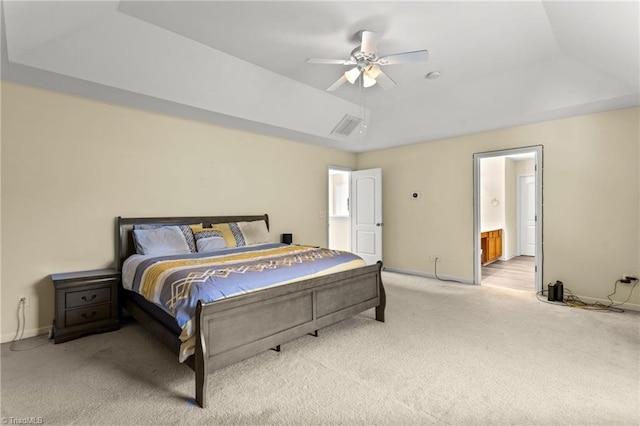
177, 282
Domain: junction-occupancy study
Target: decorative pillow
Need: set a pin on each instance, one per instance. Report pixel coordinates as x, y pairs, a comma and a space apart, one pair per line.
186, 230
211, 244
208, 239
231, 233
160, 241
254, 232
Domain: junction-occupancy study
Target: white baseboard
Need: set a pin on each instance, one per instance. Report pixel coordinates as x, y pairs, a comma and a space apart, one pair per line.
505, 258
586, 299
627, 306
32, 332
427, 275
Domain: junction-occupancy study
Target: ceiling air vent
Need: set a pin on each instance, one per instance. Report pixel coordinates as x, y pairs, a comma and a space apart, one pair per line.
346, 125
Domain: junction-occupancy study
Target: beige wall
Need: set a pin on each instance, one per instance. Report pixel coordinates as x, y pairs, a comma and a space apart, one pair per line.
339, 226
526, 168
492, 193
71, 165
340, 233
510, 236
591, 206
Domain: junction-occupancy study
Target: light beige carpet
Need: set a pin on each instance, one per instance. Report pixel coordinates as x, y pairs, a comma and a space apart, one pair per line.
448, 354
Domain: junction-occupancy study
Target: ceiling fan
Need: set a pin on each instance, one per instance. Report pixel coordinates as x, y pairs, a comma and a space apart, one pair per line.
367, 63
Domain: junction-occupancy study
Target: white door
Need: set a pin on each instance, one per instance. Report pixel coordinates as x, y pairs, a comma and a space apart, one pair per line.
366, 214
527, 210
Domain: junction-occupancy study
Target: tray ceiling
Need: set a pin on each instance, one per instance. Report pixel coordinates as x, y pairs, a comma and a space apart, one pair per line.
242, 64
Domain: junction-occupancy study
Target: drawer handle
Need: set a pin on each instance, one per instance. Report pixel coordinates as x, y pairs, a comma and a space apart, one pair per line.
85, 316
89, 299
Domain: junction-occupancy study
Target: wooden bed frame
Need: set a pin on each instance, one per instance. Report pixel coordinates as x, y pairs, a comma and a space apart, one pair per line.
239, 327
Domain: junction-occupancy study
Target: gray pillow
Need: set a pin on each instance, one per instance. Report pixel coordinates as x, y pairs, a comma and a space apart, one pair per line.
211, 244
186, 230
208, 239
160, 241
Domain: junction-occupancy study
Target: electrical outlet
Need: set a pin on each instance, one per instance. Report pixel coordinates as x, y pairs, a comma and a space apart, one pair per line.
27, 300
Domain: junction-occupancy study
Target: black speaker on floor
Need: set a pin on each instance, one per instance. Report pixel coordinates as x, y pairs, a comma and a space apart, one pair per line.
287, 238
555, 292
559, 291
551, 292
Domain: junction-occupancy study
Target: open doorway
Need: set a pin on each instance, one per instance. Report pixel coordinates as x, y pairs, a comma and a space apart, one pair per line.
508, 218
354, 212
339, 220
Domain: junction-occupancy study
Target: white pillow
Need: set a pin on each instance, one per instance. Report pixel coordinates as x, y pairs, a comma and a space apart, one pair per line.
254, 232
160, 241
211, 244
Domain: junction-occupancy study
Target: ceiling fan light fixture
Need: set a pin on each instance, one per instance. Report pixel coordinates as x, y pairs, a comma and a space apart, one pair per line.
368, 81
373, 71
352, 75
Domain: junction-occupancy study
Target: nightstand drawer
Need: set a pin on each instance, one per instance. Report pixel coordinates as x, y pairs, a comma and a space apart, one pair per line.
83, 315
87, 297
85, 302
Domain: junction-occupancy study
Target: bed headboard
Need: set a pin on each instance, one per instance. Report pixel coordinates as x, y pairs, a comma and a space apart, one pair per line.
124, 229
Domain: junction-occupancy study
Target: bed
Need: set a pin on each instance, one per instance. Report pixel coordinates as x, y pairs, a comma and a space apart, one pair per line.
241, 325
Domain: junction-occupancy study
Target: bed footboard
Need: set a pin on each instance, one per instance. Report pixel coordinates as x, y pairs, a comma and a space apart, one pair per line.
237, 328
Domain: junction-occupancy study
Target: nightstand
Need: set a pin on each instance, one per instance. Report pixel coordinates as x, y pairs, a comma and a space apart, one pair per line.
85, 302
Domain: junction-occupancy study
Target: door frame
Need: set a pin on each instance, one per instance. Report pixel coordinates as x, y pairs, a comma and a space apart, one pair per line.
539, 259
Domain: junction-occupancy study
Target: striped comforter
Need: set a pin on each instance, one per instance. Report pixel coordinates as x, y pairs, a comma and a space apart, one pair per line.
176, 283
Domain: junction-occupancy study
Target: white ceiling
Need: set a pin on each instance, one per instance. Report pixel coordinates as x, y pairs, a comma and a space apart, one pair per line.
242, 64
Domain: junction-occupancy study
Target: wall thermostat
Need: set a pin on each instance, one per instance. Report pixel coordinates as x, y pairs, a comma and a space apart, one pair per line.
415, 194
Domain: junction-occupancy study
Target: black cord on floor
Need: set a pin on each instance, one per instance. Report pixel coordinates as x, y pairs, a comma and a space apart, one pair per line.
21, 332
574, 301
435, 272
542, 292
615, 288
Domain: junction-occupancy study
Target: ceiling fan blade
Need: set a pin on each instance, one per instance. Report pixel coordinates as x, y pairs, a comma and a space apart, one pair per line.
403, 58
369, 42
329, 61
385, 81
337, 84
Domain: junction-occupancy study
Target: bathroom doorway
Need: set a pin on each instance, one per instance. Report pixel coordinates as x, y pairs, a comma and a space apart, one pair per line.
508, 218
